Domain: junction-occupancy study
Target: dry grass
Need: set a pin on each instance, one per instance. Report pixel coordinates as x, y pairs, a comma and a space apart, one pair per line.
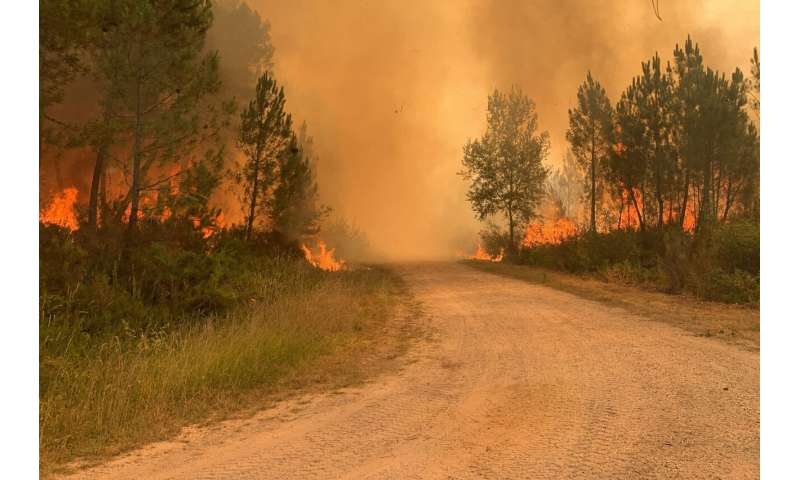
734, 324
130, 391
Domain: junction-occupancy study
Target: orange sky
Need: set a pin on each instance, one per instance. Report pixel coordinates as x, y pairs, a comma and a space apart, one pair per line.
391, 90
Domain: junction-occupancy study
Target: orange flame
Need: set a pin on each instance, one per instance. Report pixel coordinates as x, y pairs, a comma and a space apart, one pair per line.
482, 254
61, 210
325, 260
549, 233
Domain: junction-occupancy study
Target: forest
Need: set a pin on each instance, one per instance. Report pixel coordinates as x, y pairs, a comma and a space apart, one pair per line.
181, 266
659, 190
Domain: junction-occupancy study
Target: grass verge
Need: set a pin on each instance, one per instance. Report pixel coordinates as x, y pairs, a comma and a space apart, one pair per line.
315, 329
734, 324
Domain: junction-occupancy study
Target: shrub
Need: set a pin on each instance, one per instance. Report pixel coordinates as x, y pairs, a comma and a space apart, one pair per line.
737, 287
736, 246
722, 264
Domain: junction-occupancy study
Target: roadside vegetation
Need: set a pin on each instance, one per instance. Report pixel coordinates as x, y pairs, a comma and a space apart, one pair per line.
178, 200
201, 336
660, 190
722, 265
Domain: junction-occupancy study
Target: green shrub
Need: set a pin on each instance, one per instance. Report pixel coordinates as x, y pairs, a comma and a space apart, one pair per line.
722, 264
628, 273
674, 263
737, 287
736, 246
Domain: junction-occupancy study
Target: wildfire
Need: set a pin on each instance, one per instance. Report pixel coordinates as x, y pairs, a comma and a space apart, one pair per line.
218, 224
61, 210
482, 254
325, 260
549, 233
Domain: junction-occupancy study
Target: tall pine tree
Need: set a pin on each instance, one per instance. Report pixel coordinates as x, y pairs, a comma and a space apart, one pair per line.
264, 134
589, 127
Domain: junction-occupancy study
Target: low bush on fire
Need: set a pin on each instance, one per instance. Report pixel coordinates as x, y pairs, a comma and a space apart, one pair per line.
137, 341
720, 264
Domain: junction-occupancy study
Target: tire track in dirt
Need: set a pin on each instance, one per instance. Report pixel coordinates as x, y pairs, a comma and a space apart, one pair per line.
520, 381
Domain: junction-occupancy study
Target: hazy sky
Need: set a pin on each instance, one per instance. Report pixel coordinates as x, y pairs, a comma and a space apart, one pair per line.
391, 90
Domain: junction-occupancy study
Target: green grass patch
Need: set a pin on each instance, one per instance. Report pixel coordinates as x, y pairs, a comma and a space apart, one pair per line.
106, 392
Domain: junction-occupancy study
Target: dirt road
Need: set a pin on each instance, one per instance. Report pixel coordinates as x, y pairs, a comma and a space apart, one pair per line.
519, 381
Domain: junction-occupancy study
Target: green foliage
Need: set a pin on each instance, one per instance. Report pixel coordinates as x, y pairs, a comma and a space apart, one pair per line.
106, 390
245, 55
736, 245
722, 265
737, 287
264, 135
504, 167
682, 144
755, 82
680, 151
494, 240
294, 205
64, 34
167, 115
588, 136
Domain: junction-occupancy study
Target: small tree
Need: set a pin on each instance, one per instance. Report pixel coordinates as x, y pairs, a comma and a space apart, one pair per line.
265, 132
294, 205
589, 128
505, 166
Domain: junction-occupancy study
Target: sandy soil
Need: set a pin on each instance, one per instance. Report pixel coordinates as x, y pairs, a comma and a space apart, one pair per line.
517, 381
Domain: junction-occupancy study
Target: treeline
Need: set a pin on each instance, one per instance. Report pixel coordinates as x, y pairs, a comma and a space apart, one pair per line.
679, 147
157, 102
660, 189
155, 309
670, 179
169, 111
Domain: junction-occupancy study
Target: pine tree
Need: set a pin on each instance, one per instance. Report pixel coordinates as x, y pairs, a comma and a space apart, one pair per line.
158, 81
265, 132
755, 83
294, 205
588, 134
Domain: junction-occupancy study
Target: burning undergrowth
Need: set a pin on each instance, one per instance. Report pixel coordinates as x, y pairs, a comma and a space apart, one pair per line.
325, 259
481, 254
61, 210
64, 211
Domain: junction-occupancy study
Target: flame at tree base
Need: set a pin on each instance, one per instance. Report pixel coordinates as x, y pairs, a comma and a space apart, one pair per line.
550, 233
325, 260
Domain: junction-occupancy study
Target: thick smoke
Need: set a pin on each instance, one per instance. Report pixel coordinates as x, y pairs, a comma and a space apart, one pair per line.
391, 90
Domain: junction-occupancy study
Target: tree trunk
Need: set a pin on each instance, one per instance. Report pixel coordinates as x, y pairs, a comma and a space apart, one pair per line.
103, 197
593, 219
638, 211
512, 246
705, 198
685, 202
94, 192
253, 195
137, 167
101, 148
730, 195
659, 193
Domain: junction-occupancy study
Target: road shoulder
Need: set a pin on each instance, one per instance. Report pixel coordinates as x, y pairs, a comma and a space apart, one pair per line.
732, 324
